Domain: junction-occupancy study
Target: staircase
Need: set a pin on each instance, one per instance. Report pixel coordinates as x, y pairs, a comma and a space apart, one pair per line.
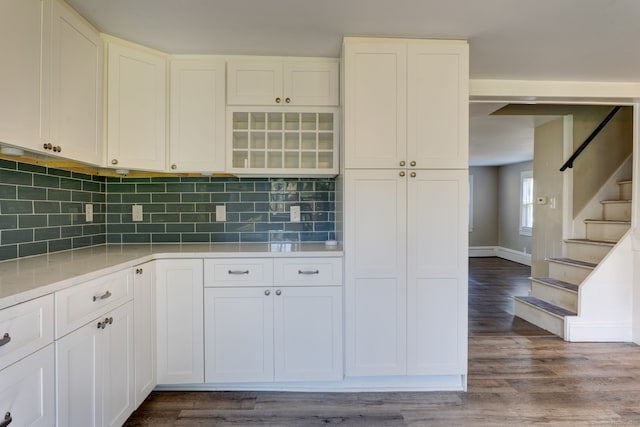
553, 298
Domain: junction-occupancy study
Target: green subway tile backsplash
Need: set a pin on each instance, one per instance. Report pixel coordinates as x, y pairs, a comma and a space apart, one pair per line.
42, 209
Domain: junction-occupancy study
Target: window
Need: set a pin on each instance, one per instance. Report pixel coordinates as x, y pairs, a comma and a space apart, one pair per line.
526, 203
470, 203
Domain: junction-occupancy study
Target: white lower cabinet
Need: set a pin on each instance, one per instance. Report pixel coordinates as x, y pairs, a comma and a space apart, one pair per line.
273, 334
239, 334
308, 333
27, 391
406, 283
94, 371
144, 330
179, 299
257, 332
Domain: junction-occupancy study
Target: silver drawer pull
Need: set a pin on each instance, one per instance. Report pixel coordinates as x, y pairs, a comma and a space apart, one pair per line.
7, 420
238, 271
101, 297
5, 339
308, 271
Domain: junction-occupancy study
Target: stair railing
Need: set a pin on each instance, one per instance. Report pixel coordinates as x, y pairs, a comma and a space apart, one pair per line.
596, 131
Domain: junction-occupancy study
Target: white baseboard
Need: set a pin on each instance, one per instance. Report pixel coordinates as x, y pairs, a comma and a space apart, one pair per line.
577, 330
500, 252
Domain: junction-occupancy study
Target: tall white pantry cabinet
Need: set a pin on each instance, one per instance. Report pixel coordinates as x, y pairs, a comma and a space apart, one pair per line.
405, 204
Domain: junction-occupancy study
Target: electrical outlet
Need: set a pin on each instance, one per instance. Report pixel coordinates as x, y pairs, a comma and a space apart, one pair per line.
88, 212
221, 213
294, 214
136, 213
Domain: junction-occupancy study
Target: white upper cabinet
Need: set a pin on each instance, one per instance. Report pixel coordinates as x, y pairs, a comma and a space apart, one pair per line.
51, 80
72, 86
197, 115
406, 103
136, 112
375, 99
312, 82
20, 20
438, 104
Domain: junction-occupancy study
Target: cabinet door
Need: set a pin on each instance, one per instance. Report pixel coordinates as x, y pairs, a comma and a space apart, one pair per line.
136, 108
144, 303
438, 104
375, 98
310, 83
308, 333
254, 82
118, 370
196, 141
20, 38
437, 272
79, 360
239, 334
179, 293
72, 85
27, 391
375, 265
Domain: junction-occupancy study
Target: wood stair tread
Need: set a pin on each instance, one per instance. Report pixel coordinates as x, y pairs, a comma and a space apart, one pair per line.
557, 283
575, 262
606, 221
545, 306
626, 202
591, 242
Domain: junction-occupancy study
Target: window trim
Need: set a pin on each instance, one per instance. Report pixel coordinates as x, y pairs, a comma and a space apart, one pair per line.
470, 203
525, 230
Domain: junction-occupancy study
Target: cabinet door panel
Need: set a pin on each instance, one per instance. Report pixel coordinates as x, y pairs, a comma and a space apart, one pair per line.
375, 264
311, 83
79, 359
20, 20
239, 338
308, 338
179, 292
438, 104
437, 272
254, 82
375, 104
118, 370
27, 390
136, 108
197, 115
76, 86
145, 330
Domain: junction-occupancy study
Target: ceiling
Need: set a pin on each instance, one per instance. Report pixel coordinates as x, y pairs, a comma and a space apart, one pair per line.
593, 40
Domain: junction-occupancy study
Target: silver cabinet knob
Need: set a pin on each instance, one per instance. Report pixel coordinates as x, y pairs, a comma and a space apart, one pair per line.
401, 173
413, 174
402, 163
114, 161
278, 292
267, 292
413, 163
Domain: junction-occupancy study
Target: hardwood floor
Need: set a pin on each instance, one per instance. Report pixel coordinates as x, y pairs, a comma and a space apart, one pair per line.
517, 376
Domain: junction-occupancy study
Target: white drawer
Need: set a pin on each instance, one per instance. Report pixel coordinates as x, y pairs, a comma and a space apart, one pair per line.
82, 303
25, 328
308, 271
238, 272
27, 391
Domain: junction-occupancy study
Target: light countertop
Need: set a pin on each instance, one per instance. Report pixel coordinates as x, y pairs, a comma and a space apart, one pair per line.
27, 278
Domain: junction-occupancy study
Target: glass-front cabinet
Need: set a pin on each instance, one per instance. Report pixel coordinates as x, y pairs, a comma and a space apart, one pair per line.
282, 142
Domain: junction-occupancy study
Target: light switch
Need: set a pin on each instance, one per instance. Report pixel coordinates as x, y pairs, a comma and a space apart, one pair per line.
136, 212
221, 213
294, 214
88, 212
